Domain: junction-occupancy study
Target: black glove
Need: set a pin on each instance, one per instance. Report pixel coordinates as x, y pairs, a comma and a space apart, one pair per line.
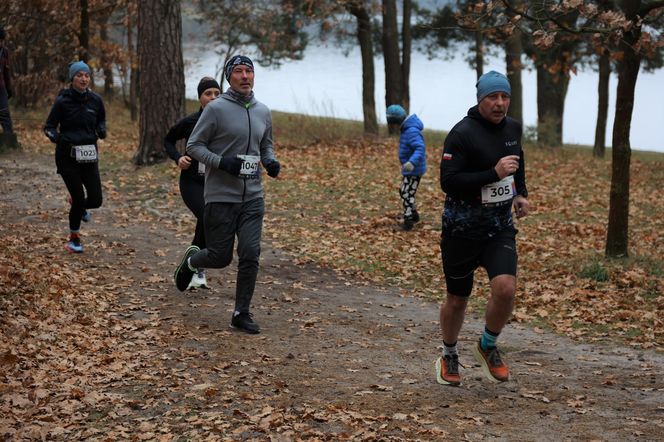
52, 135
231, 165
101, 131
273, 168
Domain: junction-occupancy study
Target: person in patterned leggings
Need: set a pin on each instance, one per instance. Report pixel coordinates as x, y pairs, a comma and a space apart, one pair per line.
413, 159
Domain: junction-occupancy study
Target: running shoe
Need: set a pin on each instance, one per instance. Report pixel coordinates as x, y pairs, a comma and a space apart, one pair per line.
492, 364
183, 273
245, 322
447, 370
74, 244
198, 281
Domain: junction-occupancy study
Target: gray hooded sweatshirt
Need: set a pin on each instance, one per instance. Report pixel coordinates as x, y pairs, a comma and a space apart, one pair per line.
230, 128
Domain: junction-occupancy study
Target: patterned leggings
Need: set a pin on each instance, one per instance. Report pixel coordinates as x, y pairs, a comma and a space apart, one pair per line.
407, 192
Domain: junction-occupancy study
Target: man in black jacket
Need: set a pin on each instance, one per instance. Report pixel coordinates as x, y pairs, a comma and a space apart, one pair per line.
482, 173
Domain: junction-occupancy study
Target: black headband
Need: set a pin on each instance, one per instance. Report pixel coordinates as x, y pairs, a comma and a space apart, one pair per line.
207, 84
237, 60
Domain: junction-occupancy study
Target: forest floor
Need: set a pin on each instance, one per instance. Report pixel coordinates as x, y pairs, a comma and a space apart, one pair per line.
101, 345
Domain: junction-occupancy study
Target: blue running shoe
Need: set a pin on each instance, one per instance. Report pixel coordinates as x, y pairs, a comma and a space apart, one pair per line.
87, 216
74, 244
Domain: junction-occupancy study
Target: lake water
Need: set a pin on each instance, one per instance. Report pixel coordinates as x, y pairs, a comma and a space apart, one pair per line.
328, 83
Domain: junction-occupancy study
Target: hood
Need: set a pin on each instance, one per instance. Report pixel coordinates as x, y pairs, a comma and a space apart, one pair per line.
474, 113
412, 121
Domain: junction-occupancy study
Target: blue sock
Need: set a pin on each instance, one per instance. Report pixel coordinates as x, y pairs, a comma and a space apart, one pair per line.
488, 339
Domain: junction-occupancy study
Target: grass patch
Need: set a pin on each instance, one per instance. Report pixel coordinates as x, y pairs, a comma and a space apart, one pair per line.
595, 271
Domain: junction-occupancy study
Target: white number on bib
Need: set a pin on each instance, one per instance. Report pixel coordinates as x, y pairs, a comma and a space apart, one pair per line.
499, 191
86, 153
249, 167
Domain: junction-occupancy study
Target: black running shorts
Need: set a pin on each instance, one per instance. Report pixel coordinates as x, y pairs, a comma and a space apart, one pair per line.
461, 256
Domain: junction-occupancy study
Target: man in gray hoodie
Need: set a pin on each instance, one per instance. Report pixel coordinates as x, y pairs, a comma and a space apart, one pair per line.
231, 139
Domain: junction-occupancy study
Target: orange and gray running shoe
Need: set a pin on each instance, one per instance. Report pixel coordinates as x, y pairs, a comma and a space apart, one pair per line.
447, 370
492, 365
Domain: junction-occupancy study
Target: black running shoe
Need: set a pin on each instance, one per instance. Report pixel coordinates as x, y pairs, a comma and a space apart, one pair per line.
183, 273
245, 322
416, 217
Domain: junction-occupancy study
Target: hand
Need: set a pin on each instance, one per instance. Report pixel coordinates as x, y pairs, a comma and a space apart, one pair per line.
521, 206
507, 166
52, 135
101, 132
408, 167
273, 167
231, 165
184, 162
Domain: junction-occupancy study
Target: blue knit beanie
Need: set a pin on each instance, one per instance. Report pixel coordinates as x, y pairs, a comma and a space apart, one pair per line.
395, 114
492, 82
76, 67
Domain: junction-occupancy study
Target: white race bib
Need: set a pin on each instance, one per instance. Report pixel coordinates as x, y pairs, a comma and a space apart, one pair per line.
86, 153
249, 167
201, 168
499, 191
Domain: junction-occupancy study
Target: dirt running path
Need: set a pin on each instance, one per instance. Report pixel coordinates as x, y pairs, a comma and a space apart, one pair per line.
336, 359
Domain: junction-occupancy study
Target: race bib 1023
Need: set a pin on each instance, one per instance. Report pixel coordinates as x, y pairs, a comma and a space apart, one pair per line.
86, 153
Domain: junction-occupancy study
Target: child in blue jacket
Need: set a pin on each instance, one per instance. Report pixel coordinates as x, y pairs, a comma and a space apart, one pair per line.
412, 155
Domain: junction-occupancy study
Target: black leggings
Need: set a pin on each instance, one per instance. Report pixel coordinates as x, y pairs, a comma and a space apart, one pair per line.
192, 194
84, 185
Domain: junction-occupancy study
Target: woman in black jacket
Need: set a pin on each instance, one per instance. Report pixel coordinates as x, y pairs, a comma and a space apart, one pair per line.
75, 123
192, 173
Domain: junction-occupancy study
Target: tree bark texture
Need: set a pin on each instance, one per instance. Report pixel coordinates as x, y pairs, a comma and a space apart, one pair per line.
106, 63
84, 32
602, 104
393, 80
479, 54
617, 240
133, 70
364, 38
161, 75
406, 45
551, 92
513, 51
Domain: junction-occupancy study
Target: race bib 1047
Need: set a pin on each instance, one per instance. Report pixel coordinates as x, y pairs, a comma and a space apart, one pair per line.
249, 168
86, 153
499, 191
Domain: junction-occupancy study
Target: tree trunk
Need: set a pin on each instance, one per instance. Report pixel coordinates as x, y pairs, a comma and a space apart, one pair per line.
393, 80
161, 84
406, 45
513, 51
106, 64
602, 104
364, 38
551, 92
479, 54
133, 69
628, 70
84, 33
